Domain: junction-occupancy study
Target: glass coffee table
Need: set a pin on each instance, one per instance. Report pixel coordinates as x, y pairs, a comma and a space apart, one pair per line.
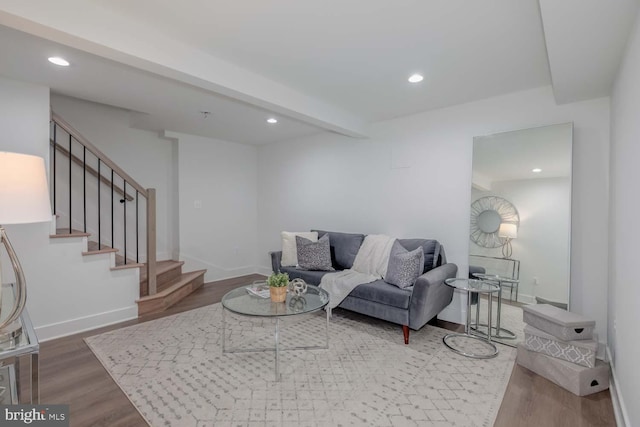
472, 286
498, 331
240, 301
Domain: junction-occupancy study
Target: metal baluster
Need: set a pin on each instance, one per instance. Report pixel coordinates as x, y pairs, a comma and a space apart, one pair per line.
113, 242
124, 190
55, 148
70, 159
137, 252
84, 185
99, 210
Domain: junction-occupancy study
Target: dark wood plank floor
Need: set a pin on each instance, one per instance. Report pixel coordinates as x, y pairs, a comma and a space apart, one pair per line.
70, 374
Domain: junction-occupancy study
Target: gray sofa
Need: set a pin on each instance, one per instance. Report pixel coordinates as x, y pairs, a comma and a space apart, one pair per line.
412, 307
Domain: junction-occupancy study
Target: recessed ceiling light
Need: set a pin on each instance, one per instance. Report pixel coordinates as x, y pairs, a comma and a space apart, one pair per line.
536, 170
415, 78
59, 61
272, 120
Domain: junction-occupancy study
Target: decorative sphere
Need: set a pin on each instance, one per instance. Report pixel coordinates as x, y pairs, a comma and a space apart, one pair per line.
298, 287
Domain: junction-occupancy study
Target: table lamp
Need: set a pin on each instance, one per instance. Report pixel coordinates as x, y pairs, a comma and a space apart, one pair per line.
24, 198
509, 232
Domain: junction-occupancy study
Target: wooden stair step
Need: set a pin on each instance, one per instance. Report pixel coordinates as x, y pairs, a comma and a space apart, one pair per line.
128, 265
166, 272
162, 267
120, 262
176, 291
65, 232
93, 247
106, 250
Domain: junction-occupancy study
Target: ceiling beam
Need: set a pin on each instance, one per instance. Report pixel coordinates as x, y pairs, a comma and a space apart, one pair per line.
585, 43
148, 49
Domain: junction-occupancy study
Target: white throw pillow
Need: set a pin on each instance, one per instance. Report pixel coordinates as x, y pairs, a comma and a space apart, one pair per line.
289, 249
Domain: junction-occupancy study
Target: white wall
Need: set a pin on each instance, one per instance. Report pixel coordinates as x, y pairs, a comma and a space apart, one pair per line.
624, 292
144, 155
218, 206
542, 246
66, 292
412, 179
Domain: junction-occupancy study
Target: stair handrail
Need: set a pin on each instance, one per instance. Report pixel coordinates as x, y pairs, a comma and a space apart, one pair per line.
148, 193
96, 152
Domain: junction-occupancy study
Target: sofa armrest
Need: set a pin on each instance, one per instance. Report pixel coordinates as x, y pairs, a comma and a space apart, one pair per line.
276, 258
431, 295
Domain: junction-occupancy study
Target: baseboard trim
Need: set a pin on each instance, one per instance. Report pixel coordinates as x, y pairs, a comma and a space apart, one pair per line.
87, 323
265, 271
524, 298
619, 409
216, 272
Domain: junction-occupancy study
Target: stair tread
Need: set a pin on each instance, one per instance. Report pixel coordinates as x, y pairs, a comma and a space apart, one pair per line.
128, 265
162, 267
93, 246
120, 261
65, 232
175, 285
100, 251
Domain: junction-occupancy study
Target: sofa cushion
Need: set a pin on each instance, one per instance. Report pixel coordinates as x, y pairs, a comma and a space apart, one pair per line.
404, 266
311, 277
289, 252
383, 293
314, 255
430, 247
344, 247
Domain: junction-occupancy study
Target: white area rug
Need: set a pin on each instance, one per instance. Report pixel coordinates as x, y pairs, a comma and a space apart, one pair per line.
174, 372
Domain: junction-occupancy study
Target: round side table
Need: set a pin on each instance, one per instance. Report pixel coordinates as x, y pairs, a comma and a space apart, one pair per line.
500, 332
472, 286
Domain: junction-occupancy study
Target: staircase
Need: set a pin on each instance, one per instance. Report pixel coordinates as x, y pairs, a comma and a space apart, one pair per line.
172, 285
99, 202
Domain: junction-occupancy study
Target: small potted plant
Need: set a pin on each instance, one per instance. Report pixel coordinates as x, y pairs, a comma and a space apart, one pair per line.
278, 286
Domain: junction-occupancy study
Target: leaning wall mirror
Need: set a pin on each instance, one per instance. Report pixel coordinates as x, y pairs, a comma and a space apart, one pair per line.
521, 220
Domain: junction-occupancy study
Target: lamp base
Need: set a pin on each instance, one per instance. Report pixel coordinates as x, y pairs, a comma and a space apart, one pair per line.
10, 332
20, 296
507, 250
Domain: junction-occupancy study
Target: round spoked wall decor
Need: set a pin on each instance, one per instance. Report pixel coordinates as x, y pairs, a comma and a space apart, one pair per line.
487, 213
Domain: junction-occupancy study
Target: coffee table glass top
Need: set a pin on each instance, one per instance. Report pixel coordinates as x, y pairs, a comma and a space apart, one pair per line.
242, 302
472, 285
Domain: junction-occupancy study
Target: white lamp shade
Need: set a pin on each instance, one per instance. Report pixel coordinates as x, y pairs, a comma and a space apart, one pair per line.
24, 195
508, 230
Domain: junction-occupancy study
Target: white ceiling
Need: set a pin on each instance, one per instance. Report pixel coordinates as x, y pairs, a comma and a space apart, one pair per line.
331, 65
359, 53
157, 103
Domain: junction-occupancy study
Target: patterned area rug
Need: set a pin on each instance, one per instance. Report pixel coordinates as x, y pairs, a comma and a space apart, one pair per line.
175, 373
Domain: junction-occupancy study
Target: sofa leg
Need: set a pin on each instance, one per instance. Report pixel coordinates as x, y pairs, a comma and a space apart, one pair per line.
405, 332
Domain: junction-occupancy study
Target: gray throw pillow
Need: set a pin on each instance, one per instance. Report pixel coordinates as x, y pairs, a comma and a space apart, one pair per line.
314, 255
344, 247
404, 266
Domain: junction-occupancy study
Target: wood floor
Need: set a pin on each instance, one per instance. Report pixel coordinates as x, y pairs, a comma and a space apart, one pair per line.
70, 374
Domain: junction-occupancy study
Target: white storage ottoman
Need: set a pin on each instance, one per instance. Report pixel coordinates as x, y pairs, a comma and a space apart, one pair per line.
582, 352
560, 323
579, 380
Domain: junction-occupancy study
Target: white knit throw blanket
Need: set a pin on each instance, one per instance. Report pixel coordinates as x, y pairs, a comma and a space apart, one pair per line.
370, 265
